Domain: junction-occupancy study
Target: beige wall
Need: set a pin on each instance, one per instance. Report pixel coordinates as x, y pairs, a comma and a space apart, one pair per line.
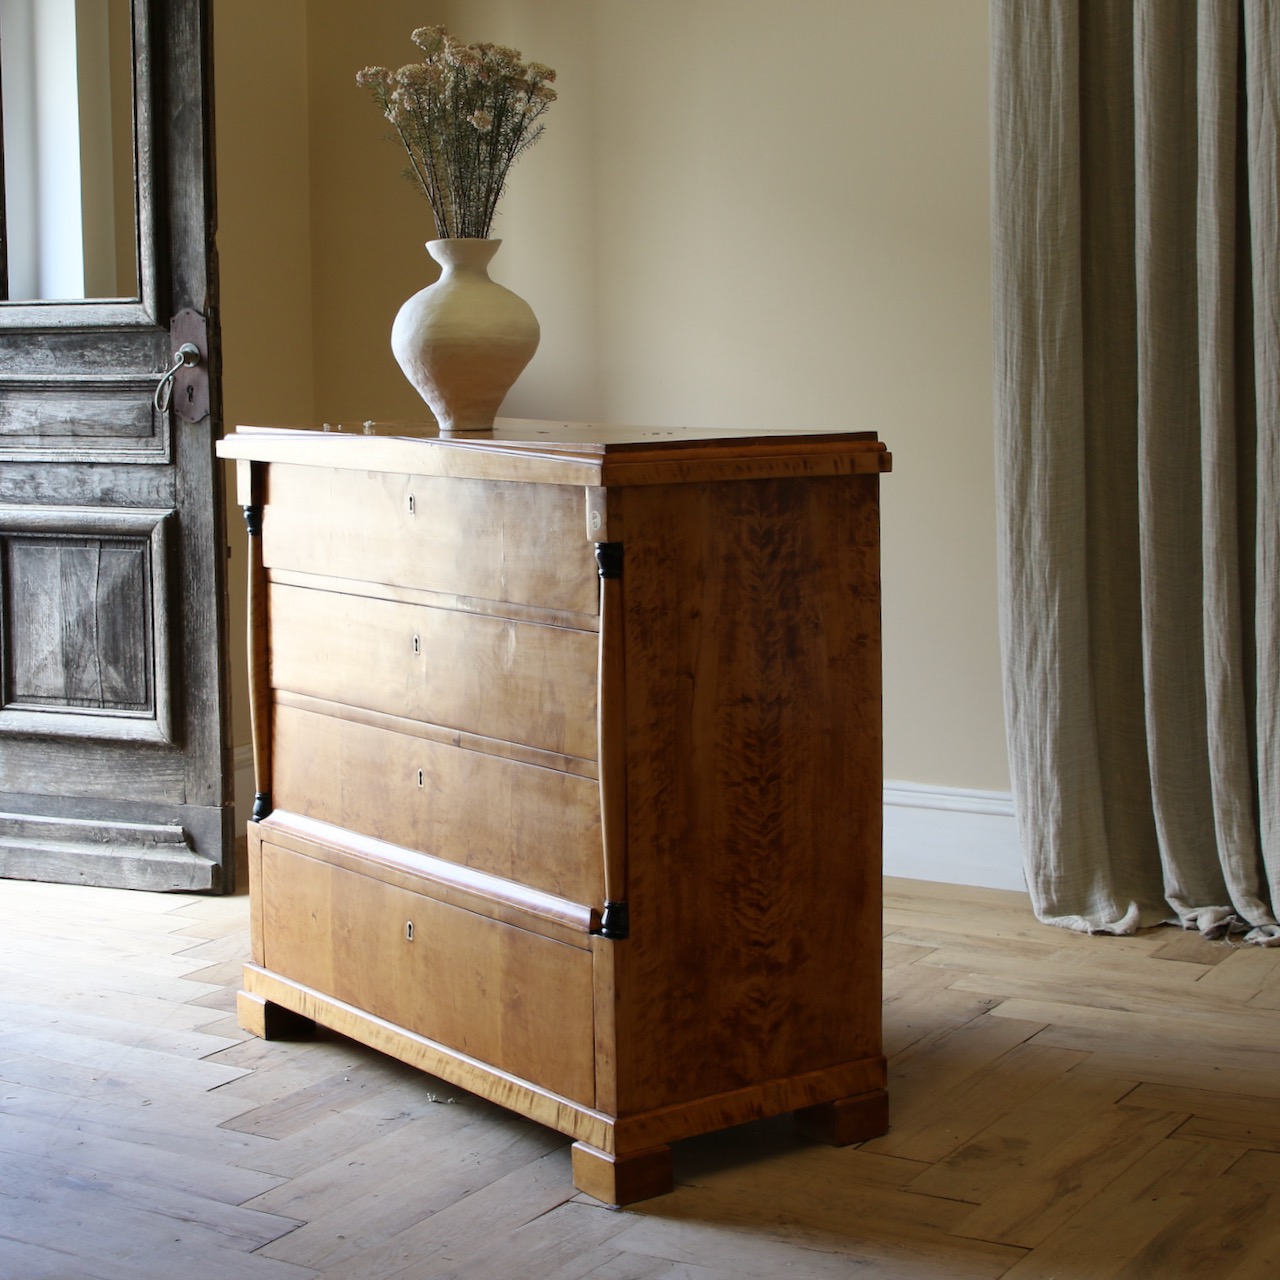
264, 245
764, 212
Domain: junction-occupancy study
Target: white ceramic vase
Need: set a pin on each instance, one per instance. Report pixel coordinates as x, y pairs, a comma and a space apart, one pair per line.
464, 340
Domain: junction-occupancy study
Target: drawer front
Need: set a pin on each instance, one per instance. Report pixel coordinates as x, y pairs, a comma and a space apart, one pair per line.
522, 544
536, 826
515, 681
512, 999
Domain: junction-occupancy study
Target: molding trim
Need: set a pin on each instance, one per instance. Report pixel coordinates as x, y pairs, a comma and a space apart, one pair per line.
914, 795
954, 835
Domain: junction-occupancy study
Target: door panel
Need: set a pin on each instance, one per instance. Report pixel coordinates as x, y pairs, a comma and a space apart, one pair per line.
66, 420
114, 733
77, 617
84, 607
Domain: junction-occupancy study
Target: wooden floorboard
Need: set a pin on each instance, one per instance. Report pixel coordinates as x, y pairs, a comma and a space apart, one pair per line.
1062, 1106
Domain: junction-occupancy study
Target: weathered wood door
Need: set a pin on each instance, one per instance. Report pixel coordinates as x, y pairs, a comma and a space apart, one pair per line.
114, 757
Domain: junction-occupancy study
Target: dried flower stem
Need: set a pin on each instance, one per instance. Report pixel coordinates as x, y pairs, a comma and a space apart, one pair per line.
464, 116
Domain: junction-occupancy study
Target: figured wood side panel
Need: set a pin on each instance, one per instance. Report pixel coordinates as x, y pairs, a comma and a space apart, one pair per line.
754, 786
515, 820
473, 984
521, 543
528, 684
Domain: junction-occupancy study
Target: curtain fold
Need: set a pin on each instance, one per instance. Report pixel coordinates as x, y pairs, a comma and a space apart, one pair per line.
1137, 362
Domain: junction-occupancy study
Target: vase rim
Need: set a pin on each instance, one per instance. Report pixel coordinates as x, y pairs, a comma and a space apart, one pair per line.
463, 253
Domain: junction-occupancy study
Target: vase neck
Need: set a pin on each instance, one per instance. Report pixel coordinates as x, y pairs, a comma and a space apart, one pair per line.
463, 255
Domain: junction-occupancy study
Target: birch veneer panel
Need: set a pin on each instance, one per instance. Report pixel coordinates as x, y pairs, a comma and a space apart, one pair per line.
568, 752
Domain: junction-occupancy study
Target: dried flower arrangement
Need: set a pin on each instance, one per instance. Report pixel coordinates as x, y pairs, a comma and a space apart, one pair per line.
463, 114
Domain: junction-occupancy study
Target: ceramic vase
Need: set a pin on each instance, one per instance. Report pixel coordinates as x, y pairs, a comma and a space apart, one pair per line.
463, 341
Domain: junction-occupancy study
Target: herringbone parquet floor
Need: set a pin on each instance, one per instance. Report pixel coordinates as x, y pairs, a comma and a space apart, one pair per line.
1063, 1106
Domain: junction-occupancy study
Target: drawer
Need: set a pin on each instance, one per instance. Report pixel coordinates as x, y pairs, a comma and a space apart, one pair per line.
515, 681
475, 985
521, 544
536, 826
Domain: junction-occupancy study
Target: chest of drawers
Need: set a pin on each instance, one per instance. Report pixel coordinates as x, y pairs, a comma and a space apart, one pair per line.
568, 760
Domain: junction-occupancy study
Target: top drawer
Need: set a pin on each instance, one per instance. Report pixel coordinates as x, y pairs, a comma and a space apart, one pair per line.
523, 544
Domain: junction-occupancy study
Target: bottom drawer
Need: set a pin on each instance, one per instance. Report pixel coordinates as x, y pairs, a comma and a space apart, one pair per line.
512, 999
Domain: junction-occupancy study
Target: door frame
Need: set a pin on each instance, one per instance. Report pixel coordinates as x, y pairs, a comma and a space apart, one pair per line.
115, 350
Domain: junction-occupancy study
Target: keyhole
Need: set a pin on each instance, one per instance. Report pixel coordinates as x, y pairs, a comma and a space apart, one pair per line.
420, 778
417, 644
413, 505
191, 394
408, 931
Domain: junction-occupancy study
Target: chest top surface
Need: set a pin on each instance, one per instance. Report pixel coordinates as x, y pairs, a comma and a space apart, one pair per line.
567, 453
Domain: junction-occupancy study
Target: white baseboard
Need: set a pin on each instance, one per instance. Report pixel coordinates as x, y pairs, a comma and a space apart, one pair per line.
951, 834
947, 834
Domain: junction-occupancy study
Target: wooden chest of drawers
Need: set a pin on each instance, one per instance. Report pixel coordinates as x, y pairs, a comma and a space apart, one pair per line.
568, 755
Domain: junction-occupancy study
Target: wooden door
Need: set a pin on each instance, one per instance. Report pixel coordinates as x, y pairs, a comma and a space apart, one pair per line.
114, 754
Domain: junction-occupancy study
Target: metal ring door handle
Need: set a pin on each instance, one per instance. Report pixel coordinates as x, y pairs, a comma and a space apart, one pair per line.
186, 355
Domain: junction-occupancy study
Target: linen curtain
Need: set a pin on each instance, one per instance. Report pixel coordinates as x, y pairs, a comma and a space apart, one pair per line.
1137, 380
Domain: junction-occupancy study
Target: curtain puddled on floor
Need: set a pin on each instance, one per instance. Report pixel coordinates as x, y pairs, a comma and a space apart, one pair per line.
1137, 351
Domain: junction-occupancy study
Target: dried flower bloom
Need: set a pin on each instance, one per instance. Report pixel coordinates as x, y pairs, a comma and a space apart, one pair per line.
429, 39
461, 55
464, 115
